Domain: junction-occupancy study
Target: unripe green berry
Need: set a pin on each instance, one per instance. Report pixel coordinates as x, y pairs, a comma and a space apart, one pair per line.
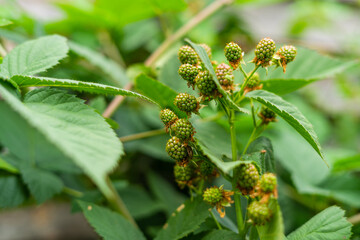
287, 54
205, 83
233, 54
167, 116
247, 176
259, 213
183, 129
224, 74
213, 195
176, 149
207, 49
267, 115
206, 168
186, 103
189, 73
264, 52
268, 182
188, 55
254, 81
184, 173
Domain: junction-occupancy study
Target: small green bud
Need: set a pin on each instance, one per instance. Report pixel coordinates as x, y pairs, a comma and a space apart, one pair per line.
188, 55
186, 103
183, 129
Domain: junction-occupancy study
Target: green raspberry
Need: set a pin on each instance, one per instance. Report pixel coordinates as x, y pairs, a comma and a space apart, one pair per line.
207, 49
186, 103
259, 213
183, 129
206, 168
254, 81
233, 54
267, 115
247, 176
268, 182
264, 52
188, 55
176, 149
205, 83
167, 116
287, 53
213, 195
189, 73
224, 74
184, 172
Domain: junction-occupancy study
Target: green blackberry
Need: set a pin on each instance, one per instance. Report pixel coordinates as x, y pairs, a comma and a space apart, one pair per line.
213, 195
268, 182
254, 81
233, 54
189, 73
247, 176
167, 116
264, 52
184, 173
205, 83
183, 129
284, 55
267, 115
259, 213
176, 149
188, 55
186, 103
206, 168
207, 49
224, 74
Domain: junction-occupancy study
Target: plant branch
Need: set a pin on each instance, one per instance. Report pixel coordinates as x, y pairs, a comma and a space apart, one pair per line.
247, 79
72, 192
142, 135
215, 220
201, 16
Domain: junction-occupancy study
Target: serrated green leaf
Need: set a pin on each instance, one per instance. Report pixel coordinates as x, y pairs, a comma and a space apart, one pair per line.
347, 164
34, 56
205, 59
30, 81
108, 66
308, 66
290, 114
221, 235
43, 185
4, 22
69, 127
13, 191
185, 220
330, 224
261, 151
108, 224
158, 92
275, 228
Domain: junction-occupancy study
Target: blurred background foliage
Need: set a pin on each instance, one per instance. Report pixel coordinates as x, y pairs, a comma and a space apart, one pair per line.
127, 32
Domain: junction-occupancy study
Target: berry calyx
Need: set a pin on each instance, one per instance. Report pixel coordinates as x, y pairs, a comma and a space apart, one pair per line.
168, 117
189, 73
186, 103
217, 196
267, 115
268, 183
183, 129
184, 173
207, 49
259, 213
205, 84
224, 74
233, 54
247, 177
284, 55
176, 150
264, 52
188, 55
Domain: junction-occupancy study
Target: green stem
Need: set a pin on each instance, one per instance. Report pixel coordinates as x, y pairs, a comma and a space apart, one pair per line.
247, 79
253, 112
239, 217
243, 71
72, 192
215, 220
253, 233
256, 131
233, 135
142, 135
117, 203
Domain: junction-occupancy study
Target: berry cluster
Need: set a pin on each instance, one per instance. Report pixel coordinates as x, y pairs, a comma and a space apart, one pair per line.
219, 198
233, 54
224, 74
186, 103
259, 213
246, 177
267, 115
284, 55
264, 52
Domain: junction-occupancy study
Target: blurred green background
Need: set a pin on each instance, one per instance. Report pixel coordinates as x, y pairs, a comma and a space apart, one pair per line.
129, 31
